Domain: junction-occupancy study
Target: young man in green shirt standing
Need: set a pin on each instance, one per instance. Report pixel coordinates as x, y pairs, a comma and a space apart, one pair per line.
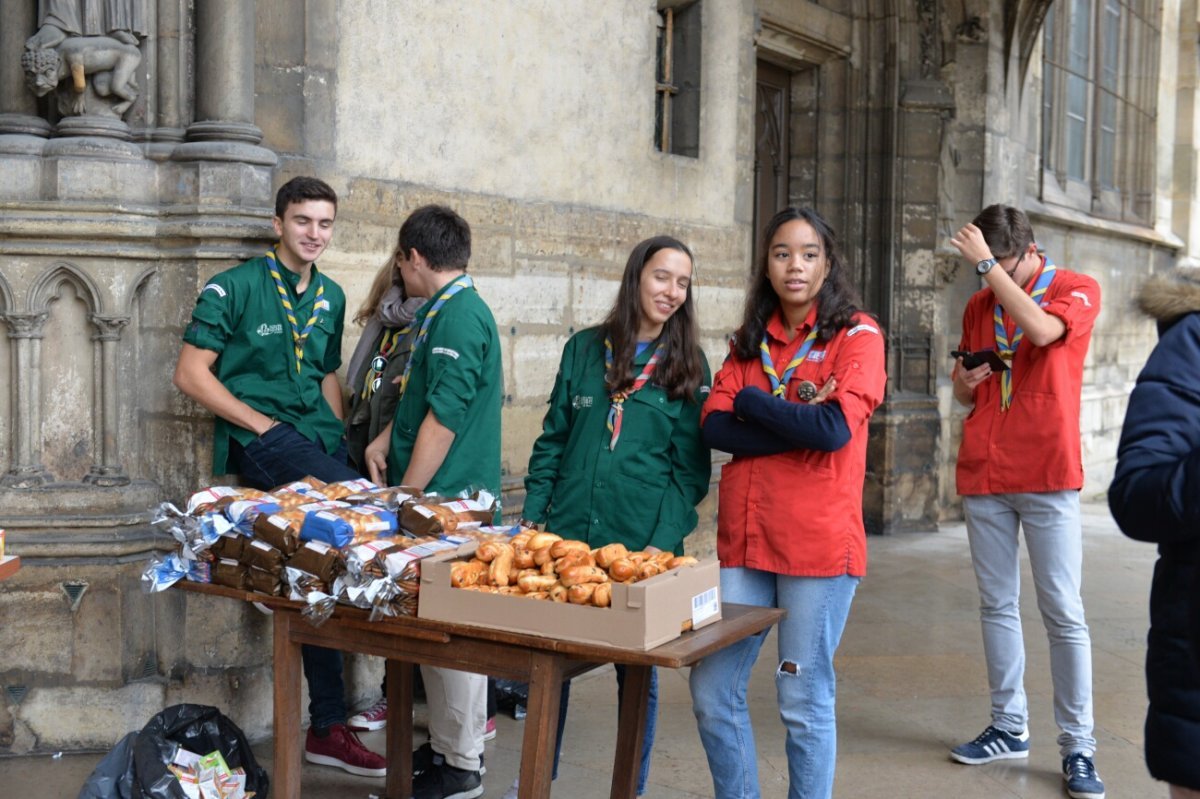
260, 353
445, 439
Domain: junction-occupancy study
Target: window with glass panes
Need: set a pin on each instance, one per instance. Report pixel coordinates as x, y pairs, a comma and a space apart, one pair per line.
1099, 85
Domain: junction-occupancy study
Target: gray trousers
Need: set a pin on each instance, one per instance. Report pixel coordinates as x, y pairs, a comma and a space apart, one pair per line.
1053, 535
457, 703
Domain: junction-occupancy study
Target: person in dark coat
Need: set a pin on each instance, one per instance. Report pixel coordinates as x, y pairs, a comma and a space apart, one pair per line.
1155, 496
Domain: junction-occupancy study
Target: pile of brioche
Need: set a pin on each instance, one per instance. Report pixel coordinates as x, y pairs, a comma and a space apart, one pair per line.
546, 566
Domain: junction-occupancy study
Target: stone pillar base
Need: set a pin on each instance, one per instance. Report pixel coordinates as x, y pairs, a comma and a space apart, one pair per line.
224, 151
901, 489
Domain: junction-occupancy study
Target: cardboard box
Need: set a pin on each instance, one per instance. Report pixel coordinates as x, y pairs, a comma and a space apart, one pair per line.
642, 616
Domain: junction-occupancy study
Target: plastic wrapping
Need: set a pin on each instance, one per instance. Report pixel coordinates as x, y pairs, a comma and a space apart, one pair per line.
197, 728
113, 777
164, 571
137, 767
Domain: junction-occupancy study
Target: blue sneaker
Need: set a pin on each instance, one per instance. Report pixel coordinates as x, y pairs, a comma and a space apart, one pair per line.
992, 744
1082, 780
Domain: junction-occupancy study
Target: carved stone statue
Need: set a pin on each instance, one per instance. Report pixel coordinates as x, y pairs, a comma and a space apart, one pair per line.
111, 64
123, 20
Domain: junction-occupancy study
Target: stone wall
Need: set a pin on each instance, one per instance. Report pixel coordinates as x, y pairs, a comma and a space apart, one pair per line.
535, 121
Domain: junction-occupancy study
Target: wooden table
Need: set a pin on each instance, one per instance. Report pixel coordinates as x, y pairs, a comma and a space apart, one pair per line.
542, 662
9, 566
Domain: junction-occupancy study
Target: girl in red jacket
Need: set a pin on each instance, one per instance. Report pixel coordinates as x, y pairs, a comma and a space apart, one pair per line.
791, 403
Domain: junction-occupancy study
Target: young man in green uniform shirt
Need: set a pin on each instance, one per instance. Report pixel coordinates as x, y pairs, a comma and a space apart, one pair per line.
445, 439
260, 353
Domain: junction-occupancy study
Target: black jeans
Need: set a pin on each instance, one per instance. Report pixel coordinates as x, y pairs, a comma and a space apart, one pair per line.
281, 455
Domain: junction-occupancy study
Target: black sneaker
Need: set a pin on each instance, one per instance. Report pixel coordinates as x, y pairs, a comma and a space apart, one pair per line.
444, 781
425, 758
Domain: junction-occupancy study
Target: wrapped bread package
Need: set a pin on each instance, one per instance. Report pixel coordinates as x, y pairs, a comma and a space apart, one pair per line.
244, 512
434, 518
203, 501
320, 559
390, 498
261, 555
343, 527
281, 529
303, 486
229, 573
264, 582
229, 546
345, 488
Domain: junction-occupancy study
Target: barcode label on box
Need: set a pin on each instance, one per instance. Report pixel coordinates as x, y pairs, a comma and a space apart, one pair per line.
704, 606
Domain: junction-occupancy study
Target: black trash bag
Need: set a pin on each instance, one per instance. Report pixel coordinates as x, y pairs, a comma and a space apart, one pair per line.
197, 728
512, 697
113, 776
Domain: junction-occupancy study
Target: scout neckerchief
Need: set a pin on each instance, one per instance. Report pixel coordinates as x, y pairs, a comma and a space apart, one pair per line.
779, 384
391, 337
1008, 349
617, 399
459, 283
298, 336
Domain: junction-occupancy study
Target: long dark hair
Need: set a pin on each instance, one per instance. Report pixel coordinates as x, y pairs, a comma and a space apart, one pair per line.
837, 301
680, 370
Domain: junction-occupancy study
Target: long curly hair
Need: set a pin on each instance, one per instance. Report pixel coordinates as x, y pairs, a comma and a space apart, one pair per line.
837, 301
680, 371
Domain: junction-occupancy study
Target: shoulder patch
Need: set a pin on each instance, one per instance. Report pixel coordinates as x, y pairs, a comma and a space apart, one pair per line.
213, 287
862, 329
1087, 302
445, 351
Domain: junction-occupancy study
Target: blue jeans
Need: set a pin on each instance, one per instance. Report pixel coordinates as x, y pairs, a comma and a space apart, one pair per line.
805, 683
647, 738
280, 456
1053, 534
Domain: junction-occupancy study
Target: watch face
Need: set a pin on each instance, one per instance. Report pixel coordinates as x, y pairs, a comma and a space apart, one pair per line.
985, 266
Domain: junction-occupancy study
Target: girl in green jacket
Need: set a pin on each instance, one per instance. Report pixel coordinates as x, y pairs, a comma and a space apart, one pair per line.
620, 458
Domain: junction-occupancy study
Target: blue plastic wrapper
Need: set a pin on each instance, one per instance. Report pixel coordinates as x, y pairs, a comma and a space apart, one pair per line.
341, 527
164, 571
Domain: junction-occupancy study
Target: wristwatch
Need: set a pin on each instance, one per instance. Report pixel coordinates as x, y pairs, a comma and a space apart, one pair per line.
985, 266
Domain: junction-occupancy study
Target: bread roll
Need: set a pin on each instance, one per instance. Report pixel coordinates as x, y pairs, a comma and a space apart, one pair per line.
560, 548
682, 560
539, 540
581, 594
622, 569
602, 596
576, 575
574, 557
467, 573
530, 583
499, 571
608, 553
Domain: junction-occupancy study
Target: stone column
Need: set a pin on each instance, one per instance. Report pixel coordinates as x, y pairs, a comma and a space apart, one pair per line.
171, 71
22, 131
26, 332
107, 470
224, 129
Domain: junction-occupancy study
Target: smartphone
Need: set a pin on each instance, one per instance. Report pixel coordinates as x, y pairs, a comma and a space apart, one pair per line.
973, 360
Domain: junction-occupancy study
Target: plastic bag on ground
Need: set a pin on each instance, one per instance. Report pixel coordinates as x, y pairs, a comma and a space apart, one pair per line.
113, 776
197, 728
